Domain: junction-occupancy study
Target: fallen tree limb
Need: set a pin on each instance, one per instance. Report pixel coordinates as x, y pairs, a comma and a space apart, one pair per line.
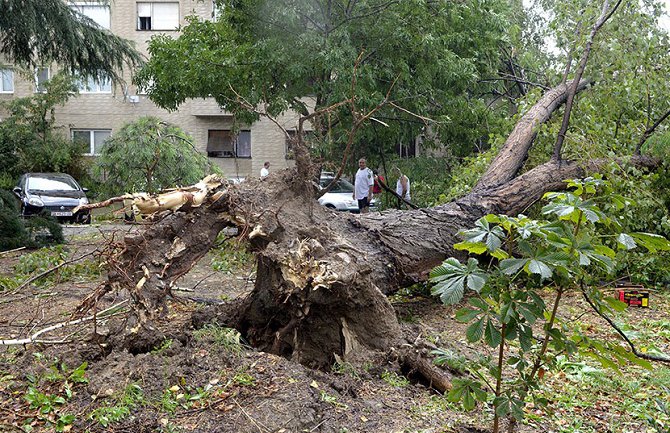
34, 337
415, 363
175, 199
622, 334
49, 271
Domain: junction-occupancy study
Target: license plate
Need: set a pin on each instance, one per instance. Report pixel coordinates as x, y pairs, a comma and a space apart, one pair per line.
61, 214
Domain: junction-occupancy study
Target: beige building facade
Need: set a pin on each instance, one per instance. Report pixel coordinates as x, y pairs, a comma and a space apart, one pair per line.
100, 109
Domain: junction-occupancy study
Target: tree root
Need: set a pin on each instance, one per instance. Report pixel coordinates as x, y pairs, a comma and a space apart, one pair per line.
415, 363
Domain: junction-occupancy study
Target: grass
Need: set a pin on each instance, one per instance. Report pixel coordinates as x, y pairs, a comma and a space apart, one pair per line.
228, 338
585, 397
229, 257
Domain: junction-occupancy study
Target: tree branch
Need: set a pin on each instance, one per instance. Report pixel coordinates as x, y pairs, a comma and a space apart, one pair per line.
512, 155
621, 333
604, 16
649, 132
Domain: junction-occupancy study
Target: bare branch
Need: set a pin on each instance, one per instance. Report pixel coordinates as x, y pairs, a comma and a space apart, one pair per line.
623, 335
34, 338
604, 16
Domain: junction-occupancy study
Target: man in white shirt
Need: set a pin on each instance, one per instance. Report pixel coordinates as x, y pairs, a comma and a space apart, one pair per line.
402, 188
266, 169
363, 184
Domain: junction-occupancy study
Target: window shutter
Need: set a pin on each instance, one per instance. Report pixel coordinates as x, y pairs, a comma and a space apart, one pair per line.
143, 9
99, 14
165, 16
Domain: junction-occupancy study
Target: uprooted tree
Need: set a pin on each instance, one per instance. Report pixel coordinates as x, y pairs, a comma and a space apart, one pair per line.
323, 278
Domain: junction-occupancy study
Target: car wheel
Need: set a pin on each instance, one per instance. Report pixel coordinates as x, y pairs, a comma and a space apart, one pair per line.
330, 206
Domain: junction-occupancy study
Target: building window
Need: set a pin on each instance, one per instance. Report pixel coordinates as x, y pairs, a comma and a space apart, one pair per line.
90, 140
157, 16
222, 143
91, 85
6, 81
97, 12
406, 150
41, 78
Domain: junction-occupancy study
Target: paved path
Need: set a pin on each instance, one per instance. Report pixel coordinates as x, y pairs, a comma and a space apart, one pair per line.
76, 230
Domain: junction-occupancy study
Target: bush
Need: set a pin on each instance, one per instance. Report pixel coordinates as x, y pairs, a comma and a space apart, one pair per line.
13, 234
33, 233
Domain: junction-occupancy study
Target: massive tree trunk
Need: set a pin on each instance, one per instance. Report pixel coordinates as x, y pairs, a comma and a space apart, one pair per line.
322, 276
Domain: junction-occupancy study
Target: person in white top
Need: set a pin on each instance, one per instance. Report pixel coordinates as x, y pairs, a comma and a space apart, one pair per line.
363, 184
402, 186
266, 169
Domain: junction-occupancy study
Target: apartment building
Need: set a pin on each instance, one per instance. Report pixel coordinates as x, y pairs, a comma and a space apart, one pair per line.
102, 108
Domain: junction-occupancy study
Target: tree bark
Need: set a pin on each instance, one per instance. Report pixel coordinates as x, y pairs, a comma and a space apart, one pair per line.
512, 155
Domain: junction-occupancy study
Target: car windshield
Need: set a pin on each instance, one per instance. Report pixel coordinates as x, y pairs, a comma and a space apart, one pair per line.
340, 186
51, 184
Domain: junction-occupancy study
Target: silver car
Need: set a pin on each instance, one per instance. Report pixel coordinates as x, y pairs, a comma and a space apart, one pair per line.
340, 195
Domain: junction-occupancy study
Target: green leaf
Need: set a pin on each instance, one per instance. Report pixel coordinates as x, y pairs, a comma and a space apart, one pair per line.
499, 254
615, 304
471, 247
528, 312
479, 303
475, 331
469, 402
483, 232
451, 277
652, 242
465, 315
512, 266
525, 337
492, 335
625, 241
537, 267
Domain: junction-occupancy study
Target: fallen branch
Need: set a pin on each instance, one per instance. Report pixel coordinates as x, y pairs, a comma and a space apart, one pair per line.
53, 269
34, 337
416, 363
175, 199
633, 349
2, 253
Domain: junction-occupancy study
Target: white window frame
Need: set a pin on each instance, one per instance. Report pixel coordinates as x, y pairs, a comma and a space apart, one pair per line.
91, 86
39, 86
6, 72
84, 7
91, 139
149, 12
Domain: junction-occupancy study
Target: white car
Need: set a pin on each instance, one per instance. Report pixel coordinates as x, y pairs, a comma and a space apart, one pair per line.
340, 195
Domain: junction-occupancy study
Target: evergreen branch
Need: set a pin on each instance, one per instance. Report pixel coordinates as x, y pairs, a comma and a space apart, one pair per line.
35, 33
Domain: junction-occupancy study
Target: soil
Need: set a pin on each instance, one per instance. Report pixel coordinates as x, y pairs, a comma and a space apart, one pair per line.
196, 383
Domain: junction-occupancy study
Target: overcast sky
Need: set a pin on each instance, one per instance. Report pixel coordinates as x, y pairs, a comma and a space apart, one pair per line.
665, 21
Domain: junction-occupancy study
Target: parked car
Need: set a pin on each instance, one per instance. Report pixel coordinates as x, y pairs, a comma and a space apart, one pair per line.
340, 195
57, 193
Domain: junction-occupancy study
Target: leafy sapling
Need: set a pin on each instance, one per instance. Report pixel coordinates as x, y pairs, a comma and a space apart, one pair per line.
573, 247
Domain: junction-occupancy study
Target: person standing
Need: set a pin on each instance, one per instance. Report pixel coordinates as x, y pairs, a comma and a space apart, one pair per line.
377, 188
266, 169
402, 187
363, 184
